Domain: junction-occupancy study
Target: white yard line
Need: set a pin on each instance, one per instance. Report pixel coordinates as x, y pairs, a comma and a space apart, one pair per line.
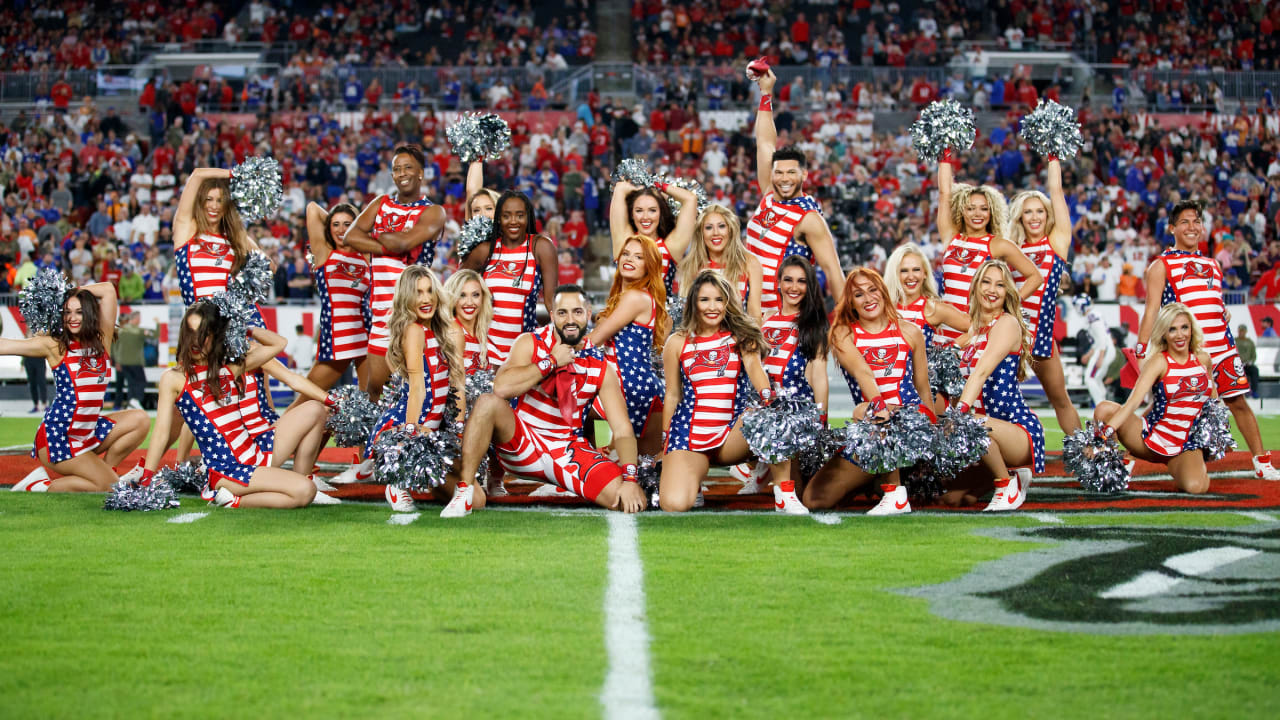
826, 518
1046, 518
186, 518
628, 683
1258, 515
403, 518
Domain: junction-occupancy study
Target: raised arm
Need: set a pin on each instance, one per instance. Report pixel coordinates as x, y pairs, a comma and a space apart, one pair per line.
522, 370
549, 267
108, 309
316, 217
184, 226
268, 345
1017, 260
1155, 279
946, 228
817, 235
475, 181
1060, 238
766, 133
619, 223
360, 235
686, 221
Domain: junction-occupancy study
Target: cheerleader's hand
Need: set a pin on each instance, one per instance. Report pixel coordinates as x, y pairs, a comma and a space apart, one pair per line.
1104, 432
877, 409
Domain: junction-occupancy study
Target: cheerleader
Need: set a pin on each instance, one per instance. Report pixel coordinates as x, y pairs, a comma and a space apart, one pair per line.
972, 218
1179, 374
397, 231
1033, 227
75, 433
633, 323
717, 245
209, 239
425, 354
207, 390
711, 361
914, 293
519, 266
645, 211
882, 356
994, 357
471, 304
342, 281
480, 200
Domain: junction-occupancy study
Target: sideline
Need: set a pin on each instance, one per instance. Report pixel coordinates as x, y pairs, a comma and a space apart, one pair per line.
628, 683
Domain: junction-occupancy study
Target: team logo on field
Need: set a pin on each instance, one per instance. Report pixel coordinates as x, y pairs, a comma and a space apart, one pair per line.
1122, 580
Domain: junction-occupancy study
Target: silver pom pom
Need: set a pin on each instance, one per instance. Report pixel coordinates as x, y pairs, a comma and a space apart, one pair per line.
692, 186
477, 230
1052, 129
477, 136
392, 391
256, 188
158, 495
943, 124
1097, 462
189, 477
240, 315
634, 171
959, 440
414, 460
479, 382
784, 428
1211, 431
902, 440
830, 442
353, 418
40, 302
254, 280
675, 308
649, 475
944, 370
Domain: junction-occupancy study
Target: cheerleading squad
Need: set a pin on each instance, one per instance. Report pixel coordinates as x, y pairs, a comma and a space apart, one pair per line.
711, 334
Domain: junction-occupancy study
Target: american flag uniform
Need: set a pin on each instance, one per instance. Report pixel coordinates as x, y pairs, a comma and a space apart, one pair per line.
436, 380
342, 282
888, 354
259, 417
630, 352
204, 268
913, 312
73, 423
959, 265
771, 237
1041, 309
1001, 396
668, 265
785, 364
393, 217
714, 388
226, 446
744, 284
513, 276
1178, 398
1196, 282
545, 446
475, 354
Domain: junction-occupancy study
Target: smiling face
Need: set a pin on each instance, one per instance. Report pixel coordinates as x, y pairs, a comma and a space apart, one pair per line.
1034, 218
570, 316
645, 215
976, 214
470, 300
1179, 334
716, 233
339, 224
514, 220
911, 276
1187, 230
788, 178
213, 205
991, 290
867, 300
427, 302
482, 204
73, 316
709, 303
792, 286
631, 261
406, 172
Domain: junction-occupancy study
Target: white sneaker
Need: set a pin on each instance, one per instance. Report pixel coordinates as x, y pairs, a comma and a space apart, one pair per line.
1264, 469
460, 504
548, 490
323, 499
135, 404
750, 477
224, 498
894, 502
495, 488
1009, 497
133, 476
321, 485
699, 500
399, 499
356, 473
786, 502
206, 493
1024, 479
36, 481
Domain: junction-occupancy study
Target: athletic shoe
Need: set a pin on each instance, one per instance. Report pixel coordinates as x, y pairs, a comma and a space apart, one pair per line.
135, 405
36, 481
547, 490
1263, 468
786, 502
495, 488
33, 411
225, 499
460, 504
133, 476
206, 493
356, 473
1009, 496
894, 502
321, 485
399, 499
323, 499
750, 477
1024, 479
699, 500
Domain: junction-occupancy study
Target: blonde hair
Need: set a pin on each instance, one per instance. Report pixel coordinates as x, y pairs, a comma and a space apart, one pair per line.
996, 206
898, 295
453, 288
696, 258
1014, 230
404, 312
493, 195
1012, 307
746, 333
1164, 320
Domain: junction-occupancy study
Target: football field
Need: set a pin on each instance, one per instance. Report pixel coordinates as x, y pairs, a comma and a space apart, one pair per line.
561, 611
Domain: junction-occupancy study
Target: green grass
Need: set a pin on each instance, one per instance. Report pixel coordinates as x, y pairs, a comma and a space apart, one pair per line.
331, 612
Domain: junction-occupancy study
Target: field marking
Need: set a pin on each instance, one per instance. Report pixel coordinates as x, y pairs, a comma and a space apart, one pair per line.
1257, 515
827, 518
562, 511
403, 518
1046, 518
1198, 562
187, 518
628, 683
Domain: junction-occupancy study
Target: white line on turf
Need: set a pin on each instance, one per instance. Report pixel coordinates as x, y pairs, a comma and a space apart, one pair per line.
628, 684
1257, 515
827, 518
403, 518
186, 518
1046, 518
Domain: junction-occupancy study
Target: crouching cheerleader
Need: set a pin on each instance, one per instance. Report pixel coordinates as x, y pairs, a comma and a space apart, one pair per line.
995, 356
1178, 373
883, 360
711, 360
207, 389
75, 433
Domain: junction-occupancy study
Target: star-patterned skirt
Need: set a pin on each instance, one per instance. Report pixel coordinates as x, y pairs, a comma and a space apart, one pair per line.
62, 448
1002, 399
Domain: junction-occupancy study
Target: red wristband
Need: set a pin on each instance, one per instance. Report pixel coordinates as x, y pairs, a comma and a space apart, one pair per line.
876, 405
1050, 157
661, 185
630, 473
962, 407
766, 103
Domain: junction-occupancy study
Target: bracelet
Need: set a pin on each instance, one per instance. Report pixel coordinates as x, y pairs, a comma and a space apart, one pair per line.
767, 395
331, 400
766, 103
1051, 158
630, 473
1140, 350
546, 366
962, 407
1105, 431
876, 405
661, 185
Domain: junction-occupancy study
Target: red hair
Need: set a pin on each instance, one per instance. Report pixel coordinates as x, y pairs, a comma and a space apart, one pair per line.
846, 314
652, 283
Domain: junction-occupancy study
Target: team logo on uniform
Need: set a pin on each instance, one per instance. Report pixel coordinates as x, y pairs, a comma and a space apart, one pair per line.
1234, 370
716, 359
1199, 270
1120, 580
216, 249
506, 269
777, 337
969, 354
767, 219
881, 359
1037, 258
1196, 385
353, 272
960, 255
92, 366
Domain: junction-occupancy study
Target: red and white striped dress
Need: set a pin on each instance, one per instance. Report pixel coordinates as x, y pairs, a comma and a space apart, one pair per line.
342, 283
888, 354
1196, 281
73, 424
386, 269
1041, 309
959, 265
513, 277
913, 312
254, 421
771, 237
226, 446
1179, 397
475, 354
436, 377
204, 266
709, 370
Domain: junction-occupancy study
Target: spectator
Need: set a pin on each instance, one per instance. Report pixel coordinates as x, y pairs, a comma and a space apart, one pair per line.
301, 350
127, 353
1249, 356
1268, 327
